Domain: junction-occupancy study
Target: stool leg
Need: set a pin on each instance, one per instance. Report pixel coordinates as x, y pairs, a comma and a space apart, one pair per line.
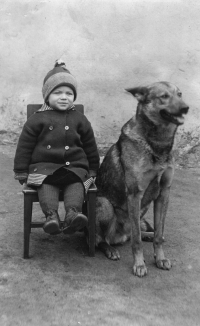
28, 206
91, 208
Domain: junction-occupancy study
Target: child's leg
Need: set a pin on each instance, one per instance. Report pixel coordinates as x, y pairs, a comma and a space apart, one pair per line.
49, 200
48, 197
73, 201
74, 196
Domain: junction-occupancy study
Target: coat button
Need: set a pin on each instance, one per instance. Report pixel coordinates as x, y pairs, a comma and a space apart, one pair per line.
66, 147
35, 170
66, 127
49, 146
67, 163
51, 128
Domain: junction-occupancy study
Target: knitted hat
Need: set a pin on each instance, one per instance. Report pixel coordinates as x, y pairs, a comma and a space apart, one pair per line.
58, 76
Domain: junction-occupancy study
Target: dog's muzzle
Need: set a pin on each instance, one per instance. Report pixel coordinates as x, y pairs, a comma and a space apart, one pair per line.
176, 118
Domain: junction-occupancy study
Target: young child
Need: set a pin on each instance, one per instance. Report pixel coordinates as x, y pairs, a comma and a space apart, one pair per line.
57, 150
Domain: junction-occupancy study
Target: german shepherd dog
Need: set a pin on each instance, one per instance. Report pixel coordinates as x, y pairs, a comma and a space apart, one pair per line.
137, 170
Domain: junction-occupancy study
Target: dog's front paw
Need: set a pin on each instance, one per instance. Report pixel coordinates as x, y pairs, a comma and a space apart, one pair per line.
164, 264
139, 270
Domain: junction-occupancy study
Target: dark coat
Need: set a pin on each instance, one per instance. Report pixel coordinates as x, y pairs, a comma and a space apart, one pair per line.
53, 139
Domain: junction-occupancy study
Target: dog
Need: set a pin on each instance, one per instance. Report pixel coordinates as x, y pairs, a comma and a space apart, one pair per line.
137, 170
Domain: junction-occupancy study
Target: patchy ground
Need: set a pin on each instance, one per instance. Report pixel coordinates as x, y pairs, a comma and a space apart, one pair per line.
61, 285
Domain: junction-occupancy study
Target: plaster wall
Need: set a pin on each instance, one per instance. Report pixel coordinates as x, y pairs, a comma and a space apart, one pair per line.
108, 45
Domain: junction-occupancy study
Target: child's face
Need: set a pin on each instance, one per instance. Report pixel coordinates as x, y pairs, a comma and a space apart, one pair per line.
61, 98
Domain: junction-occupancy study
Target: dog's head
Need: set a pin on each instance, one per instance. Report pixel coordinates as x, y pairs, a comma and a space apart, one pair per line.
161, 102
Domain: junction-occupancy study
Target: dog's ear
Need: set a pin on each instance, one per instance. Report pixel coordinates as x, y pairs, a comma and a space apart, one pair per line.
140, 93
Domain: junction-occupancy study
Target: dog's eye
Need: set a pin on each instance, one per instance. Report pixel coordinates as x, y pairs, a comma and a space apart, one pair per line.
165, 96
179, 94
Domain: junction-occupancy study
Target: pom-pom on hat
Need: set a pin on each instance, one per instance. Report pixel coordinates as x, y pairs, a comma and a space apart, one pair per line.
58, 76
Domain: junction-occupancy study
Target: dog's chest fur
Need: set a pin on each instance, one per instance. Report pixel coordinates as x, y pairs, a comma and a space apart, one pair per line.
145, 148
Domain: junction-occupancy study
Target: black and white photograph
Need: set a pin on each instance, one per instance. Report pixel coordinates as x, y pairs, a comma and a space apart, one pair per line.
100, 163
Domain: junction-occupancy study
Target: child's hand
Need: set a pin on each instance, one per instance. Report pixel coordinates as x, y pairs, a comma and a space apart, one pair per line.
21, 177
92, 174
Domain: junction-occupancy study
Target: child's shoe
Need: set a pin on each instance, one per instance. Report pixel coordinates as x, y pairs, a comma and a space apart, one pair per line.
74, 221
52, 224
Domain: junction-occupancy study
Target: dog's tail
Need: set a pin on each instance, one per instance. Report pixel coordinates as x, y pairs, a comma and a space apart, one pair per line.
146, 230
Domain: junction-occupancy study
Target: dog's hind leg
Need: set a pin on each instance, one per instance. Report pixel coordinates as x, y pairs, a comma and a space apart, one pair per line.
105, 228
147, 232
